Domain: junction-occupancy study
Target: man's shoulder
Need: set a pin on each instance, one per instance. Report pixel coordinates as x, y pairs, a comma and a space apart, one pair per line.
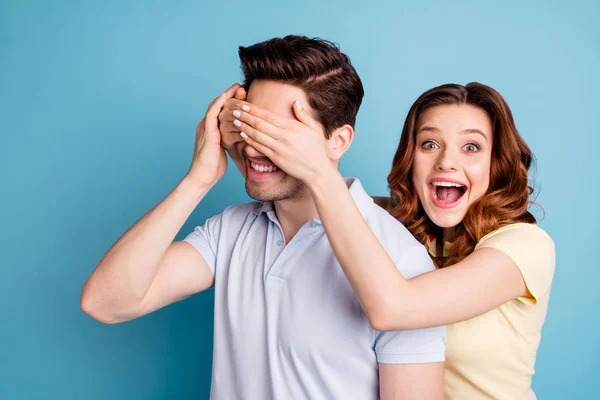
390, 229
230, 221
406, 251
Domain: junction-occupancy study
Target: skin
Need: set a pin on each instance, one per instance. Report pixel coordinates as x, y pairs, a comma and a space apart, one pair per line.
481, 282
454, 143
145, 270
292, 201
277, 186
304, 135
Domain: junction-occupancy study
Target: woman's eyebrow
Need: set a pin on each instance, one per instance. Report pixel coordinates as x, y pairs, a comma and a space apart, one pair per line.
466, 131
428, 128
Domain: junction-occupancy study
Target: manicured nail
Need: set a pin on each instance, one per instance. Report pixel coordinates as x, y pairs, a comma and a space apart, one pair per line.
237, 123
237, 114
242, 134
245, 108
298, 105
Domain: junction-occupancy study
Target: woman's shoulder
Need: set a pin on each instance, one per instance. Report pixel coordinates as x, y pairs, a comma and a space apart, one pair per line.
521, 234
532, 251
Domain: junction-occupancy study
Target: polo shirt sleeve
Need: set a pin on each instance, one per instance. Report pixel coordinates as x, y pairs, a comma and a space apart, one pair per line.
531, 249
205, 239
412, 346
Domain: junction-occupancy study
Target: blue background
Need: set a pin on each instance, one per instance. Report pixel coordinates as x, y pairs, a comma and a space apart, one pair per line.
99, 101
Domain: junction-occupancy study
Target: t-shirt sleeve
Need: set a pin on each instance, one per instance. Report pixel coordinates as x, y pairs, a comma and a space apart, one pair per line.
412, 346
205, 239
531, 249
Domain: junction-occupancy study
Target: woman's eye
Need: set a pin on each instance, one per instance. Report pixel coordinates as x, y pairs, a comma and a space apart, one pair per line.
429, 145
472, 147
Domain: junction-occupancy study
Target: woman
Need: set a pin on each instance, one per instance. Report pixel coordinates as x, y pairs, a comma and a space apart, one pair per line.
459, 184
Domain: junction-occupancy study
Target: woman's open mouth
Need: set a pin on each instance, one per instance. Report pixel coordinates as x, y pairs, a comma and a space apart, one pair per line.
446, 193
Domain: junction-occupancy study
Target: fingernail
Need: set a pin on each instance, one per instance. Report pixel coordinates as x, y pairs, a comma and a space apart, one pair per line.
237, 123
298, 105
242, 134
245, 108
237, 114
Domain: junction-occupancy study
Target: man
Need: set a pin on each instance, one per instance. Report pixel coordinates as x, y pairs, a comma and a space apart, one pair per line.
287, 323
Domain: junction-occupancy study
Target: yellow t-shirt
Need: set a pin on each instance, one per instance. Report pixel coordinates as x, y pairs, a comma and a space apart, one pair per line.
493, 356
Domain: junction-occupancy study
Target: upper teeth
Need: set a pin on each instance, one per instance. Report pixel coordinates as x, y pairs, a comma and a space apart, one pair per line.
263, 168
447, 184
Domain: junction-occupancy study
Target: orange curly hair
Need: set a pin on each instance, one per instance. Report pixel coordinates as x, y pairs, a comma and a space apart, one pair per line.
507, 199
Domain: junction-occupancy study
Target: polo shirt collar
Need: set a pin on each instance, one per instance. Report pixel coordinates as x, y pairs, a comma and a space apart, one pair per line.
263, 207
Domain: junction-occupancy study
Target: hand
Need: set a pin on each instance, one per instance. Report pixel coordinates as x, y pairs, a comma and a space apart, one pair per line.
230, 134
210, 162
298, 147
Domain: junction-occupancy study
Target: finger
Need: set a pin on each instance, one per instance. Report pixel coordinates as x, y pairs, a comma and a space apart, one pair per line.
232, 90
304, 116
258, 136
214, 109
260, 147
231, 105
240, 93
256, 123
228, 127
237, 104
228, 94
275, 119
225, 116
230, 138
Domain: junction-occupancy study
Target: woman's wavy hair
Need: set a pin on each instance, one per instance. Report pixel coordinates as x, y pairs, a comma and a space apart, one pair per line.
507, 199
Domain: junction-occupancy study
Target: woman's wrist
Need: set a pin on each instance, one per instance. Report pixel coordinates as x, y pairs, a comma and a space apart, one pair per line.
325, 182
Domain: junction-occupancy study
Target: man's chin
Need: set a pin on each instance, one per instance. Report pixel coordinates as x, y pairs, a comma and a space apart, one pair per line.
261, 193
284, 189
258, 193
264, 197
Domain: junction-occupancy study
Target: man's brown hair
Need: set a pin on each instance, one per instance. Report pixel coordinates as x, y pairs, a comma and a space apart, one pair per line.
317, 66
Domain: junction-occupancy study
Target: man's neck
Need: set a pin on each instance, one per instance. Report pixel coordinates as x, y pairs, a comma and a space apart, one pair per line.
294, 213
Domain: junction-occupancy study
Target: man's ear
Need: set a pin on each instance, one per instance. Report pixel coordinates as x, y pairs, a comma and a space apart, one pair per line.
339, 142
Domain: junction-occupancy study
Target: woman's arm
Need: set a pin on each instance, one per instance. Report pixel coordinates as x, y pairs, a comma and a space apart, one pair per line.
481, 282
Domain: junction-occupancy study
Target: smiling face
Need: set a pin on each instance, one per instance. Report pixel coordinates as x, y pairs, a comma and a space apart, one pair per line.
451, 165
264, 181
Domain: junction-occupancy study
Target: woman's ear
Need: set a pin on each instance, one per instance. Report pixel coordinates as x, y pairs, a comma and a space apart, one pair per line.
339, 142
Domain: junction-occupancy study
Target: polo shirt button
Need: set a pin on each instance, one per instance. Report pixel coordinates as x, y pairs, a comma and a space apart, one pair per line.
279, 242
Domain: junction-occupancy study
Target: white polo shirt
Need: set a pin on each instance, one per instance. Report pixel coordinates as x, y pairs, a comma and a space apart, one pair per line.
287, 324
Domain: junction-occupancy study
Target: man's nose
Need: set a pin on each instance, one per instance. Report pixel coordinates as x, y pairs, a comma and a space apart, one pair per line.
252, 152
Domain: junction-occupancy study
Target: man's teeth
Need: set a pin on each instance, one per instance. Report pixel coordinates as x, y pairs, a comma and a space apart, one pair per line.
263, 168
447, 184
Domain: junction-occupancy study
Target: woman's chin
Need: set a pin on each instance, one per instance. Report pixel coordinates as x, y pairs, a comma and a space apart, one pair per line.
445, 218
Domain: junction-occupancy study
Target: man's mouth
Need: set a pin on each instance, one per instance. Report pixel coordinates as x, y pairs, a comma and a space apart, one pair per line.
262, 167
259, 170
446, 193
